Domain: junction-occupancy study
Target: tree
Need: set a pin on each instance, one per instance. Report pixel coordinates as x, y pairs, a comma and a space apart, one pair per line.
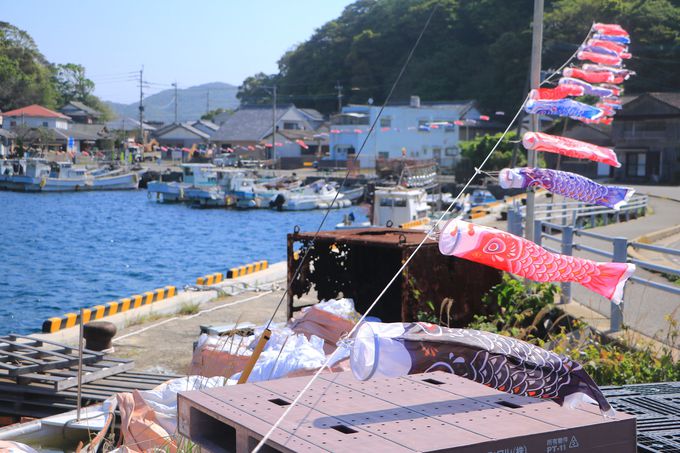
471, 50
210, 116
473, 153
71, 83
256, 89
25, 74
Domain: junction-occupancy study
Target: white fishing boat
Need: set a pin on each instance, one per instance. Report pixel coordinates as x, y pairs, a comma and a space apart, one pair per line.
39, 175
219, 195
251, 194
394, 206
318, 195
119, 179
193, 175
399, 205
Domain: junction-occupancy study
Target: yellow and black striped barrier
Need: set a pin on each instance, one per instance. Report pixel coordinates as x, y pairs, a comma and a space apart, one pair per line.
234, 272
111, 308
415, 223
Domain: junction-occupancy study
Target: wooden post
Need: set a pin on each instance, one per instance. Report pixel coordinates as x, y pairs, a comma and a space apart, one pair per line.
245, 374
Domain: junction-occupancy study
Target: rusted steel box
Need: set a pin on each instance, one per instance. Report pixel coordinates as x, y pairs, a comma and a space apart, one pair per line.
424, 412
359, 263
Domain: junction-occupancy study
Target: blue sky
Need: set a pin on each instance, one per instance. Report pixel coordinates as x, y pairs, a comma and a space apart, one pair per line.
192, 42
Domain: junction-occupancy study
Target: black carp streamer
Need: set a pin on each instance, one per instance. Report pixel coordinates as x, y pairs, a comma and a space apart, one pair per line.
504, 363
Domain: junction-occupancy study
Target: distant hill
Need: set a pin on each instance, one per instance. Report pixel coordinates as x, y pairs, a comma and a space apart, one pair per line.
192, 102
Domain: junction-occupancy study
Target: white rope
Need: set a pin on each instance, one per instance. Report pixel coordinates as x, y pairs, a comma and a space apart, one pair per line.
165, 321
478, 170
396, 275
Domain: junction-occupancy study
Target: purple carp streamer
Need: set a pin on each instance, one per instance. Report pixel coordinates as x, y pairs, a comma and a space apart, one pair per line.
563, 107
504, 363
566, 184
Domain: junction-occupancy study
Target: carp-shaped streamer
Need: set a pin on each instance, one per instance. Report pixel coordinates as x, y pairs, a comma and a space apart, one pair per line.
500, 362
510, 253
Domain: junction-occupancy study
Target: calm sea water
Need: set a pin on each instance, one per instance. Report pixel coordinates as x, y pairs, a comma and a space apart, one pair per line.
61, 252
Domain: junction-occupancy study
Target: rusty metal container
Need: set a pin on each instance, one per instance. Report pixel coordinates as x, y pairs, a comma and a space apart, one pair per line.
359, 263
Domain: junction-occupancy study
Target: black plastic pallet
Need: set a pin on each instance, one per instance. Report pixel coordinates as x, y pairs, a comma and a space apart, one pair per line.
657, 410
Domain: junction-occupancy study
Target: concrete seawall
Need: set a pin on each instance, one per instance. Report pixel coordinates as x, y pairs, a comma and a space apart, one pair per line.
197, 295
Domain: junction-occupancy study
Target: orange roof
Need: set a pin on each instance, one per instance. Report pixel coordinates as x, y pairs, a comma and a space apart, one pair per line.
35, 110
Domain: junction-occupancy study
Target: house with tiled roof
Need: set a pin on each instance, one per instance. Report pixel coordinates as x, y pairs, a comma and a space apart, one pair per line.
182, 135
646, 137
35, 116
206, 126
251, 127
42, 127
81, 113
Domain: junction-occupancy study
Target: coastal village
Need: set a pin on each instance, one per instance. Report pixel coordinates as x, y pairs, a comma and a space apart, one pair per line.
406, 272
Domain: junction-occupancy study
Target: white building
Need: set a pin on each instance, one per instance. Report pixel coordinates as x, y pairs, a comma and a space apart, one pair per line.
34, 116
416, 131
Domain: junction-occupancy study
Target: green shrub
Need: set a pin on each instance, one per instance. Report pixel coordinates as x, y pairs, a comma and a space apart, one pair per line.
526, 311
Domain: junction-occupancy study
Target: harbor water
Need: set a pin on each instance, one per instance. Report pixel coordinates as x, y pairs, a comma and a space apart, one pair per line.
61, 252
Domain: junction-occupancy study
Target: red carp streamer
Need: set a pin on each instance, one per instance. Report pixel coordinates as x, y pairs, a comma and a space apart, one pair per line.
521, 257
569, 147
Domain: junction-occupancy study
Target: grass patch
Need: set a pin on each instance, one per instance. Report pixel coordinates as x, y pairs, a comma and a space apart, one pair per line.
189, 309
142, 319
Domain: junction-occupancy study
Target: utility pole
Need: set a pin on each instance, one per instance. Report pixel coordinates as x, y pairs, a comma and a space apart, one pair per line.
339, 88
175, 85
141, 106
274, 124
536, 47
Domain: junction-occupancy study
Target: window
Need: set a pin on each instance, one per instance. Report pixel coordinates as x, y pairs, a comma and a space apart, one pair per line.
386, 122
391, 202
45, 124
652, 126
291, 126
636, 164
12, 123
424, 151
452, 151
350, 119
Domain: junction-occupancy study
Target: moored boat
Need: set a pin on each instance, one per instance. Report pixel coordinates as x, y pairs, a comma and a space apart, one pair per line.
193, 175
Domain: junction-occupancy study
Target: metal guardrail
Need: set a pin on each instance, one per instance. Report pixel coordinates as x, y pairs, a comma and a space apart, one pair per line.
574, 217
619, 254
576, 213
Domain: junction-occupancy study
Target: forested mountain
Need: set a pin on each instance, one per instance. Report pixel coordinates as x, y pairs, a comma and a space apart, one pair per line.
471, 50
193, 102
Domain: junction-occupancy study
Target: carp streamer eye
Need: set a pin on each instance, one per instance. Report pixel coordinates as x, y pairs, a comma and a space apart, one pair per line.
494, 246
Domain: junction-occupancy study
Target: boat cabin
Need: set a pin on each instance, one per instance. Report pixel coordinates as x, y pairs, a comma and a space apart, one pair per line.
199, 174
66, 170
399, 205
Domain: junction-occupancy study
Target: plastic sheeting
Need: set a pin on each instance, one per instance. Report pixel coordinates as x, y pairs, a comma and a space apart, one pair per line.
149, 417
15, 447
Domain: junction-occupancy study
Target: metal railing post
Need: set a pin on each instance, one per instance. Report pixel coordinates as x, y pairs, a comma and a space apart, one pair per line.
567, 248
616, 311
564, 213
511, 221
520, 224
538, 231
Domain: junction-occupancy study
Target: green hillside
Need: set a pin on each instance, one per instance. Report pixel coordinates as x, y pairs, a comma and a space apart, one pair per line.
471, 50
